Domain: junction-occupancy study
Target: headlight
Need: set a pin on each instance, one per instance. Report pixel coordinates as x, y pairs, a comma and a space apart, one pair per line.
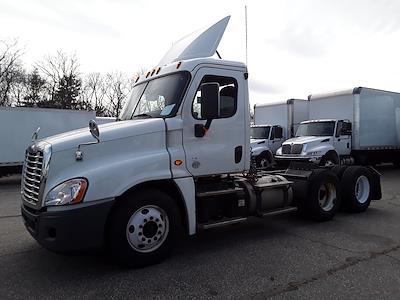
69, 192
279, 151
312, 153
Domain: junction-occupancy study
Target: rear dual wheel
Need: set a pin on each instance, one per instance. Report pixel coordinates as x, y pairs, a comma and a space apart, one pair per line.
323, 197
357, 187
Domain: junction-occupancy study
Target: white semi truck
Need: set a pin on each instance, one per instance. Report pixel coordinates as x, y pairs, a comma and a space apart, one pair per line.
178, 162
361, 125
273, 124
17, 125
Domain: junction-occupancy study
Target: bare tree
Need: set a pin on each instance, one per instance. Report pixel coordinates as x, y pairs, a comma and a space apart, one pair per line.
56, 70
94, 93
118, 87
10, 69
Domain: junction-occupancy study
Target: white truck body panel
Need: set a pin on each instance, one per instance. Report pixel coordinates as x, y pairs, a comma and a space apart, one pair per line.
373, 113
288, 115
18, 124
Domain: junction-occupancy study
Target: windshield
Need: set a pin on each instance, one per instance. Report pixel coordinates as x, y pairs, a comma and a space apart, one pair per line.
316, 129
259, 132
159, 97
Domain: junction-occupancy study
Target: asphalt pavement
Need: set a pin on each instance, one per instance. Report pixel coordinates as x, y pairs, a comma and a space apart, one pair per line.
354, 256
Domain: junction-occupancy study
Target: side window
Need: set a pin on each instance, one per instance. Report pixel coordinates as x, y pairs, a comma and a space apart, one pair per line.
228, 97
278, 132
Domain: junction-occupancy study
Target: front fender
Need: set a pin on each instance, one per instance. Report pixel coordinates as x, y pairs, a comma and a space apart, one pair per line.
255, 151
322, 148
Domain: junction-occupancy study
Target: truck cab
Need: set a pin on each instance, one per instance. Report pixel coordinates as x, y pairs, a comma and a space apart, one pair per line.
324, 142
264, 141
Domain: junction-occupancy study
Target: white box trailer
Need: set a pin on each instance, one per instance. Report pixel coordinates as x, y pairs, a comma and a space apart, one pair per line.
360, 124
17, 124
288, 115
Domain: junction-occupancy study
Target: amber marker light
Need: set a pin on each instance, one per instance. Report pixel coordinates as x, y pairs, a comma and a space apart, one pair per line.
158, 70
178, 162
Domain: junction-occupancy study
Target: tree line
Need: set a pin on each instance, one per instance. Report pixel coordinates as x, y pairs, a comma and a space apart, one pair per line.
56, 82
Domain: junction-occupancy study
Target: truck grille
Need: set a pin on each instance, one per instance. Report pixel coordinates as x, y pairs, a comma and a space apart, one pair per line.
292, 149
286, 149
297, 148
32, 176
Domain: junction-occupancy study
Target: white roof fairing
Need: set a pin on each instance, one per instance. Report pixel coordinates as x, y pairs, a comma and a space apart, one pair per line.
202, 43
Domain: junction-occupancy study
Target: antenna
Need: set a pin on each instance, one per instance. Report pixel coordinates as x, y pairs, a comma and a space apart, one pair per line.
245, 24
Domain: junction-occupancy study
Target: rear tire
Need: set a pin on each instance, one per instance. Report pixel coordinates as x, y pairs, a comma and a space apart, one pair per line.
357, 187
143, 228
323, 197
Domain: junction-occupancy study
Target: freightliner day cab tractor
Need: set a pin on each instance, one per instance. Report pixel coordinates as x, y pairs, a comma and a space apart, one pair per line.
267, 139
178, 162
360, 125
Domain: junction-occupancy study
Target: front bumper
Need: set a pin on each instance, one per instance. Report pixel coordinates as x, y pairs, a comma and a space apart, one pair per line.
73, 229
313, 159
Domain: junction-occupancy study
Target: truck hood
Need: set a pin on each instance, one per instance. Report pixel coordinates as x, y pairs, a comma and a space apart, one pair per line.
256, 142
307, 140
108, 132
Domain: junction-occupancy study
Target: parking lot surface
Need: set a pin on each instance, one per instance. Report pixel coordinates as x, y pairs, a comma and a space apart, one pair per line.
284, 257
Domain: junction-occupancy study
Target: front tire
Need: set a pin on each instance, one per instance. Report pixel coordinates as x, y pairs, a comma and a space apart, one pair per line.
143, 228
329, 159
357, 187
264, 161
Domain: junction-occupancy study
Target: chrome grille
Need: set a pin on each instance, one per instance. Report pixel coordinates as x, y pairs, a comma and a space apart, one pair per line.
292, 149
286, 149
297, 148
32, 175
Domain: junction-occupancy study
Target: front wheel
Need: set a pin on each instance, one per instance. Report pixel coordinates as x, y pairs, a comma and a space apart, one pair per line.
329, 159
143, 228
264, 161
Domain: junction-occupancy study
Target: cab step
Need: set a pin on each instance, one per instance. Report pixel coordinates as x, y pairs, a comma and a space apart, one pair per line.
276, 212
221, 223
219, 192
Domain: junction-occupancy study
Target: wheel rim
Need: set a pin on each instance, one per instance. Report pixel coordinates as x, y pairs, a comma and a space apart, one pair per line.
147, 228
329, 163
264, 163
327, 196
362, 189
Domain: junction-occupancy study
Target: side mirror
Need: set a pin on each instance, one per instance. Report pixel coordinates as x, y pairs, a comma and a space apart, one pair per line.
346, 129
94, 130
210, 100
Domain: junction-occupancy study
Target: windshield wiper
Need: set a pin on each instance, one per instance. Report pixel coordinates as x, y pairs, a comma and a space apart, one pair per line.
143, 115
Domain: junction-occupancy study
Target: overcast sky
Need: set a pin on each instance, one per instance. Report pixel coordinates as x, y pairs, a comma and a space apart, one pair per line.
296, 47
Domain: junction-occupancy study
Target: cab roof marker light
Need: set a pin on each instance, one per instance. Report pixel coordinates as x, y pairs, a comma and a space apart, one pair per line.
178, 65
147, 74
158, 70
152, 72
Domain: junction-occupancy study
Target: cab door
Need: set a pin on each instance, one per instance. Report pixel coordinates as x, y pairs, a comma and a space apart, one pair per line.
276, 138
342, 139
222, 148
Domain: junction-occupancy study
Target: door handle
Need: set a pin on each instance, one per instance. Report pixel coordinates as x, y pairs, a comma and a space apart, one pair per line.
238, 154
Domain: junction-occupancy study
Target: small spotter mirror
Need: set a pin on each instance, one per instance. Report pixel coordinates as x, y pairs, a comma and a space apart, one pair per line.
94, 129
